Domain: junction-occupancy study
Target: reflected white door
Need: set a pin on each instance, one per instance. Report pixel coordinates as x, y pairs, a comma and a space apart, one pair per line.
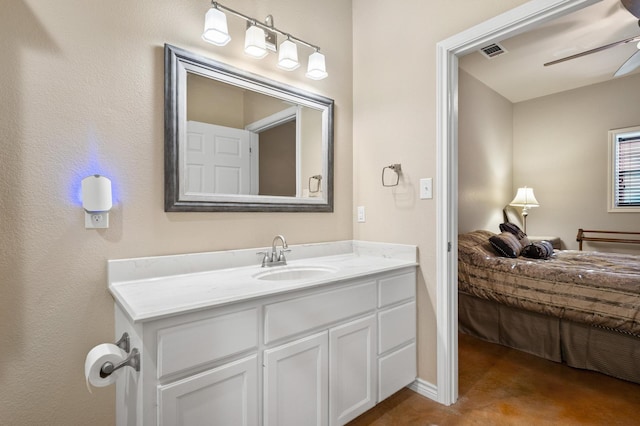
217, 160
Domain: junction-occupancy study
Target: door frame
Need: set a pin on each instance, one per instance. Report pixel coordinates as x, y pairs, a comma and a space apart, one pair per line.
508, 24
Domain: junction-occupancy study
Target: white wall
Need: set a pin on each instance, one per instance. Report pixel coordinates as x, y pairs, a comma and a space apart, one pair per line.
560, 149
485, 152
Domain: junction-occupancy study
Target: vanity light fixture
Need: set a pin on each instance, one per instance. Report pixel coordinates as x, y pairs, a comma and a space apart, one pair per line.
288, 56
215, 27
254, 42
316, 69
262, 37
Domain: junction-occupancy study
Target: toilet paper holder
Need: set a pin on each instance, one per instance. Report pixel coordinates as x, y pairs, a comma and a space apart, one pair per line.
133, 360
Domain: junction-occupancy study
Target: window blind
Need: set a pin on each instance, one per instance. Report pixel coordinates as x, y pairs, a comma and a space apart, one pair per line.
627, 189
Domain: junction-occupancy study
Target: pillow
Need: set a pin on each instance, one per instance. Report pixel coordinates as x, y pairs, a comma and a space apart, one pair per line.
515, 230
506, 244
538, 250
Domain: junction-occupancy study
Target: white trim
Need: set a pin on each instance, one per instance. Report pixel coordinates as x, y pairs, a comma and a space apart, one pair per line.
508, 24
424, 388
273, 120
281, 117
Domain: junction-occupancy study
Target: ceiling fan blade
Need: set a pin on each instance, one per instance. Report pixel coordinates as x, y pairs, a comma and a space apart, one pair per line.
631, 64
597, 49
633, 6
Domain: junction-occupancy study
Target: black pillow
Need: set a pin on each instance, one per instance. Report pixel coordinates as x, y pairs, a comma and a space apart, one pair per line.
515, 230
538, 250
506, 244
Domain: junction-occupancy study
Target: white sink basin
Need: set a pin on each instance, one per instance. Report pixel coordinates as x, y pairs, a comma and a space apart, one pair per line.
294, 272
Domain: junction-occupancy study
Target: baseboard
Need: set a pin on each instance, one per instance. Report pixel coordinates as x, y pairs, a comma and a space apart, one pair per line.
424, 388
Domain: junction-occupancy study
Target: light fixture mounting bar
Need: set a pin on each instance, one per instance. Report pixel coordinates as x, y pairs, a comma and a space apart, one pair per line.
264, 26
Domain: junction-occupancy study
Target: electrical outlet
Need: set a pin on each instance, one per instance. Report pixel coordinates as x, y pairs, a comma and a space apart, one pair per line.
426, 188
96, 220
361, 214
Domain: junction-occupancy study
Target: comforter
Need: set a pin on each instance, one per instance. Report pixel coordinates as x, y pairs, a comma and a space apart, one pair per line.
595, 288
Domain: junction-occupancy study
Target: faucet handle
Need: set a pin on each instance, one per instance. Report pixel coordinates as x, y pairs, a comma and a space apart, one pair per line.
281, 257
266, 258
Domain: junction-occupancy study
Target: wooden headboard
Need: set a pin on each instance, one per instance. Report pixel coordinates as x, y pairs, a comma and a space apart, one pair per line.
607, 237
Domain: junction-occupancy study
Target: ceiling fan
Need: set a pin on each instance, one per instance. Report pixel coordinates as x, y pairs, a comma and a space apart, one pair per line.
633, 6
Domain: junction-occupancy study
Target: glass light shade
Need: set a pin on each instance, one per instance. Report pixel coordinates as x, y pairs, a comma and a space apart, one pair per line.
525, 198
215, 28
288, 56
316, 69
254, 42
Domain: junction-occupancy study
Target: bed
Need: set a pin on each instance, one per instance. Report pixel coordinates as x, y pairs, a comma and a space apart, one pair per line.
579, 308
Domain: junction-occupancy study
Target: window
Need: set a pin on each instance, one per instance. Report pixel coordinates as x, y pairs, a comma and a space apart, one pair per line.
624, 170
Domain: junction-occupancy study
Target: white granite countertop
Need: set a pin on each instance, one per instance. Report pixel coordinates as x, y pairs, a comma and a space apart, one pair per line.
154, 287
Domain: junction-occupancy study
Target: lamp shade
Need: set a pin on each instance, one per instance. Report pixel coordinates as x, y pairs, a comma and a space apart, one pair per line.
254, 42
316, 69
288, 56
215, 28
525, 198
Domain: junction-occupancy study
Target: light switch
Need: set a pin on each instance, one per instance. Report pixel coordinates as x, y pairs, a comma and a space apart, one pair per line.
361, 216
426, 188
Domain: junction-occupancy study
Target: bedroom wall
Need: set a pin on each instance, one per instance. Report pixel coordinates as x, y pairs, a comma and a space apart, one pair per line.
485, 152
560, 150
81, 84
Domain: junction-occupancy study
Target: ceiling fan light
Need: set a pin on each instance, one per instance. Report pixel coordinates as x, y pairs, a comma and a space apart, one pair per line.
215, 28
254, 42
316, 70
288, 56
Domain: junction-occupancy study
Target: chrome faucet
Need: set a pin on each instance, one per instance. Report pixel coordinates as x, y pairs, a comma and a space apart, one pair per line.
274, 258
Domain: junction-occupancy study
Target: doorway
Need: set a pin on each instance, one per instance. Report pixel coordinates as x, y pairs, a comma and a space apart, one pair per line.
515, 21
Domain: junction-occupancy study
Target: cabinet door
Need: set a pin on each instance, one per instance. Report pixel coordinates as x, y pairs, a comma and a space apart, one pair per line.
352, 370
296, 383
227, 395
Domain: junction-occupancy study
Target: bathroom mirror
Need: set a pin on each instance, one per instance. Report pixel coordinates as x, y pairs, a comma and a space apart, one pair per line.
236, 141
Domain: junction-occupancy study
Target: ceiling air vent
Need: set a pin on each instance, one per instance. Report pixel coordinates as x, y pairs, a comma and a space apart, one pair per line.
493, 50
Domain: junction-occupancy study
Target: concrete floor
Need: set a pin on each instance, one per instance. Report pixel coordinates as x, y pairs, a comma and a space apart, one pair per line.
502, 386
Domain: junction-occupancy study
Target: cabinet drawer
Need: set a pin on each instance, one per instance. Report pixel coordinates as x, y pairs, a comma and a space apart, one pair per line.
396, 326
295, 316
397, 288
396, 370
200, 342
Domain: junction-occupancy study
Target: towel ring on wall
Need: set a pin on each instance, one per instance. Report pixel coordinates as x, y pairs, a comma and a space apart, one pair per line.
397, 168
317, 178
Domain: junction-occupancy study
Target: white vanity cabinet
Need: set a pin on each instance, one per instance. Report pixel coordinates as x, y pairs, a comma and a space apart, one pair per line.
196, 369
314, 356
327, 378
396, 333
295, 383
340, 359
352, 367
226, 395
